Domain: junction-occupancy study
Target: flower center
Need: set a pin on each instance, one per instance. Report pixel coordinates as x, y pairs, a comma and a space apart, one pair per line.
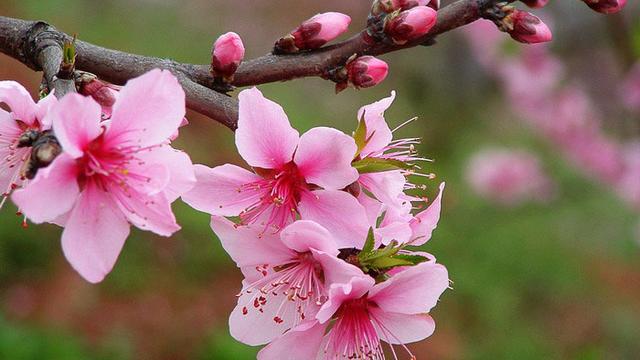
353, 335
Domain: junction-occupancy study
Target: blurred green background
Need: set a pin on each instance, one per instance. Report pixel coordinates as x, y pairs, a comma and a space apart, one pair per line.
541, 281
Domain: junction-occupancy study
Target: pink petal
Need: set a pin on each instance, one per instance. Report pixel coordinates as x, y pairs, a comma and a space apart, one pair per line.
398, 231
52, 193
146, 212
378, 131
221, 191
324, 158
181, 176
338, 211
336, 270
341, 292
304, 235
94, 234
385, 186
301, 342
76, 122
395, 328
372, 207
149, 109
264, 137
426, 221
43, 108
19, 101
415, 290
249, 245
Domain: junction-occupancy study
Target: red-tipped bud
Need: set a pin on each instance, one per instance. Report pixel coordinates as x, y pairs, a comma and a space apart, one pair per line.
526, 27
103, 93
535, 4
407, 4
314, 33
226, 55
410, 24
606, 6
366, 71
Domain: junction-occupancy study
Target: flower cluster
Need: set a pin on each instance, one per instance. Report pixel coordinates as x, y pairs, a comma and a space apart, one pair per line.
321, 228
110, 174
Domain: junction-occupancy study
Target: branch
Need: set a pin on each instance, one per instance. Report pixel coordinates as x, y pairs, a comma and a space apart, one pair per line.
38, 46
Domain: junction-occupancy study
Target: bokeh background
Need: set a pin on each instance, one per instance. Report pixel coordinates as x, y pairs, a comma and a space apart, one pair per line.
552, 280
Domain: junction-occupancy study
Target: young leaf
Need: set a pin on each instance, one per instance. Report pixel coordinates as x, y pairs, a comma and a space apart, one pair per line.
360, 136
368, 245
389, 262
373, 165
413, 259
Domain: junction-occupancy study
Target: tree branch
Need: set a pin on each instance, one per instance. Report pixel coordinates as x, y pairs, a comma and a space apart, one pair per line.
38, 45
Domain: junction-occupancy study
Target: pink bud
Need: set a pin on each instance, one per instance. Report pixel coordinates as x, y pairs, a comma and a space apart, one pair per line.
535, 4
367, 71
103, 93
314, 33
227, 54
606, 6
410, 24
527, 28
408, 4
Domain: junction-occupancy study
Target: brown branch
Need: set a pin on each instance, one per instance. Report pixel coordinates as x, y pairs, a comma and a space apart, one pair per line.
27, 40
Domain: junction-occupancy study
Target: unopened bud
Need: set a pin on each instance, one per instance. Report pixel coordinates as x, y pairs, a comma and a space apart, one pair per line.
366, 71
535, 4
407, 4
226, 55
526, 27
314, 33
606, 6
410, 24
103, 93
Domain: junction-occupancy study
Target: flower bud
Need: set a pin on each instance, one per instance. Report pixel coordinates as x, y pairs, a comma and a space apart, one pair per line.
366, 71
103, 93
526, 27
410, 24
408, 4
314, 33
606, 6
535, 4
226, 55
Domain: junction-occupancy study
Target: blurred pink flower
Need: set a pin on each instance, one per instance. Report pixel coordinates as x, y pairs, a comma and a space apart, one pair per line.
226, 55
410, 24
508, 177
631, 89
112, 174
360, 314
294, 175
366, 71
628, 185
286, 275
18, 128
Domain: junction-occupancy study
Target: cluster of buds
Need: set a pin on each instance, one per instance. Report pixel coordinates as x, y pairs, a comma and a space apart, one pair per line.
361, 72
401, 21
226, 55
522, 26
313, 33
606, 6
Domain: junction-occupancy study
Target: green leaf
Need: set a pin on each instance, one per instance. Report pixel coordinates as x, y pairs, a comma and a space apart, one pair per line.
360, 136
389, 262
414, 259
373, 165
368, 245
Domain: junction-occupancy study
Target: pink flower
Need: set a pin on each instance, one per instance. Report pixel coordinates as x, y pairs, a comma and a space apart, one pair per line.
287, 276
628, 184
366, 71
361, 314
508, 177
535, 4
410, 24
606, 6
527, 28
112, 174
227, 54
314, 32
18, 131
294, 175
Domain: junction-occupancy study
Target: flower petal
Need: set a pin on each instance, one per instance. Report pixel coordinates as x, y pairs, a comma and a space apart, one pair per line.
222, 191
76, 122
301, 342
341, 292
338, 211
378, 131
336, 270
324, 158
42, 110
426, 221
181, 176
415, 290
19, 101
146, 212
94, 234
264, 137
385, 186
249, 245
52, 193
149, 109
396, 329
304, 235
